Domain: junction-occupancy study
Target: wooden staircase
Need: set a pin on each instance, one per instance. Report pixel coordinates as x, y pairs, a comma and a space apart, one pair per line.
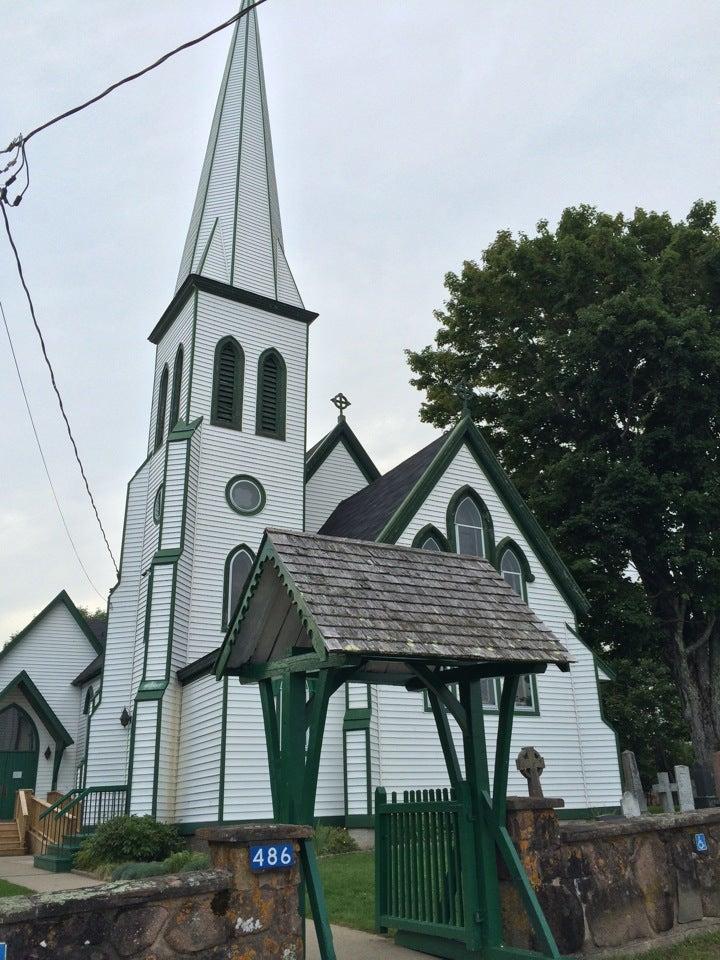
10, 843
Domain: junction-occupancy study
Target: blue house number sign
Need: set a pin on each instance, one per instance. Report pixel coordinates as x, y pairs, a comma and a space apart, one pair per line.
3, 951
701, 845
268, 856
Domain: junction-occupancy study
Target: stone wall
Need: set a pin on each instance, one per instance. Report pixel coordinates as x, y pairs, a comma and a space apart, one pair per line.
608, 883
229, 913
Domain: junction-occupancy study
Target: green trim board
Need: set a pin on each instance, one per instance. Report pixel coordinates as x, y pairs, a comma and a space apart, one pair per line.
507, 543
24, 685
63, 598
465, 432
217, 288
176, 386
340, 434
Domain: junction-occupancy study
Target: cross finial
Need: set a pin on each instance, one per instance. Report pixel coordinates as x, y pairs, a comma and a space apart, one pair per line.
342, 403
466, 394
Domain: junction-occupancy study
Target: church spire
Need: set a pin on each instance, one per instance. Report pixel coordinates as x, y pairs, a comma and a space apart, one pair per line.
235, 234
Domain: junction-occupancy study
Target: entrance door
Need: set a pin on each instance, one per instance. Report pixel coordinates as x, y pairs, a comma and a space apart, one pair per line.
18, 756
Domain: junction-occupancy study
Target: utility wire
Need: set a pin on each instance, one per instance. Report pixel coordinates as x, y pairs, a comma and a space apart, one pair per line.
21, 140
42, 454
54, 382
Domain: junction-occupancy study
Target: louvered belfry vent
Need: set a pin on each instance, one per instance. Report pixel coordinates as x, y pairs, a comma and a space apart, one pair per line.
271, 396
227, 389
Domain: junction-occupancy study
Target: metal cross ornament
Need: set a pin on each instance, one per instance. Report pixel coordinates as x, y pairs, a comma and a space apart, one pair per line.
342, 403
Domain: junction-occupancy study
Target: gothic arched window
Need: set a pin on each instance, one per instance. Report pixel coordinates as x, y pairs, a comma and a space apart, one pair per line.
469, 533
430, 538
512, 572
17, 731
271, 389
161, 407
237, 567
228, 384
176, 386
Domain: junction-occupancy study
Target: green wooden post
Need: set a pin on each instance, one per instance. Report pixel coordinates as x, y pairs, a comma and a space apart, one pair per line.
272, 741
308, 861
446, 738
502, 750
478, 780
382, 855
318, 714
292, 746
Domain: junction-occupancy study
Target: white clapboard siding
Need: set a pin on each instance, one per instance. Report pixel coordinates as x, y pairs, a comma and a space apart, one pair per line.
109, 741
174, 494
168, 753
337, 478
179, 332
569, 730
198, 771
356, 760
52, 653
330, 800
141, 788
247, 781
159, 630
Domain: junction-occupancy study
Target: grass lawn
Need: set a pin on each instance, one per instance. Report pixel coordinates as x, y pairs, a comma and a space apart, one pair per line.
8, 889
349, 882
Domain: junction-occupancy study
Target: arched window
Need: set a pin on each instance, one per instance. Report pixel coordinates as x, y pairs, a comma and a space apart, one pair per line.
176, 386
512, 572
430, 538
469, 532
271, 395
161, 406
228, 384
89, 697
17, 731
237, 567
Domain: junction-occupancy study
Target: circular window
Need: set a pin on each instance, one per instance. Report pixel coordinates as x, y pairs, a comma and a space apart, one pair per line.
158, 504
245, 495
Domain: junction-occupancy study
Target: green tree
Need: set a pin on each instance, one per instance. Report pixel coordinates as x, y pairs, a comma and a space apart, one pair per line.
593, 352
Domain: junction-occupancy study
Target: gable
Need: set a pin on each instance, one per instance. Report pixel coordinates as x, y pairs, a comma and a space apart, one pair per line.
62, 599
335, 479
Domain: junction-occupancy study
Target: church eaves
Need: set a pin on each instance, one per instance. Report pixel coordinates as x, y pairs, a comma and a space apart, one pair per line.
235, 234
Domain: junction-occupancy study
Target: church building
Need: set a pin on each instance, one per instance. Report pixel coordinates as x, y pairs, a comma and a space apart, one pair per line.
227, 458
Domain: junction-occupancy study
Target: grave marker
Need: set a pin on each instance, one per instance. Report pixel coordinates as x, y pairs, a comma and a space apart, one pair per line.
631, 779
663, 790
531, 766
630, 805
684, 789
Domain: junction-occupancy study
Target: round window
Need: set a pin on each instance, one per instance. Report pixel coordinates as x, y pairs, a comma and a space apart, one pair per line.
245, 495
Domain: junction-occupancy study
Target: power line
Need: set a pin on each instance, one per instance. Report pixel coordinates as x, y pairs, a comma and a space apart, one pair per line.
42, 454
19, 142
54, 382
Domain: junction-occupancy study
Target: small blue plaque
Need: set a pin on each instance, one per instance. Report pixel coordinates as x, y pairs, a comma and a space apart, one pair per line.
701, 845
3, 951
269, 856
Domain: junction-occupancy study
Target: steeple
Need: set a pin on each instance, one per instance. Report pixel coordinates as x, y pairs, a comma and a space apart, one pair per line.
235, 234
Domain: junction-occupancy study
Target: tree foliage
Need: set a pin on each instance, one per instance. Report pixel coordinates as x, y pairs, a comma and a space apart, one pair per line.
593, 351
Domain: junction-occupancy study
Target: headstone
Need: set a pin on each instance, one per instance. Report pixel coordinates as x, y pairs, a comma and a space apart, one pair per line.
631, 779
686, 800
630, 805
663, 790
531, 766
704, 782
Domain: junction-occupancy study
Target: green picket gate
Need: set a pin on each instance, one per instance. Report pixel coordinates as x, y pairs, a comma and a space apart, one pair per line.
425, 870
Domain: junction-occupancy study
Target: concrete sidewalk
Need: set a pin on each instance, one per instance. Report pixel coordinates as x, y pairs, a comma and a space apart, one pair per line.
356, 945
20, 870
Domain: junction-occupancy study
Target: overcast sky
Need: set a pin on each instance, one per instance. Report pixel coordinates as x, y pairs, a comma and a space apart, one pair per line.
406, 133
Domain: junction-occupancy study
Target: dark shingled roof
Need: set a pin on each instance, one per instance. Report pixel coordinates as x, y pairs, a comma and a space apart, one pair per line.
364, 515
92, 670
388, 601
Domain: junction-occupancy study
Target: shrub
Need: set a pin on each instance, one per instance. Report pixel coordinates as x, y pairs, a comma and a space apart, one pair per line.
182, 862
128, 838
330, 840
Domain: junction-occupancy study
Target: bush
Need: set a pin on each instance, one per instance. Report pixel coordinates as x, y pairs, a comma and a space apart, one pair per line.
128, 838
331, 840
182, 862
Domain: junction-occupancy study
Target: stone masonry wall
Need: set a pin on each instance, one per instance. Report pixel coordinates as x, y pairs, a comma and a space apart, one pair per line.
607, 884
229, 913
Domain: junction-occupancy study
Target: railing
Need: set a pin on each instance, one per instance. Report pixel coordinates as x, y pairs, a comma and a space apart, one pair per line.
79, 811
424, 856
22, 814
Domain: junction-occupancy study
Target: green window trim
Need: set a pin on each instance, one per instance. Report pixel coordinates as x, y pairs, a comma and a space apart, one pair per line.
487, 523
176, 387
261, 490
161, 409
227, 404
507, 543
428, 531
241, 547
271, 396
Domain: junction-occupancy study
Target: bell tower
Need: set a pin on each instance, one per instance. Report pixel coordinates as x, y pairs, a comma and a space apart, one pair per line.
226, 455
